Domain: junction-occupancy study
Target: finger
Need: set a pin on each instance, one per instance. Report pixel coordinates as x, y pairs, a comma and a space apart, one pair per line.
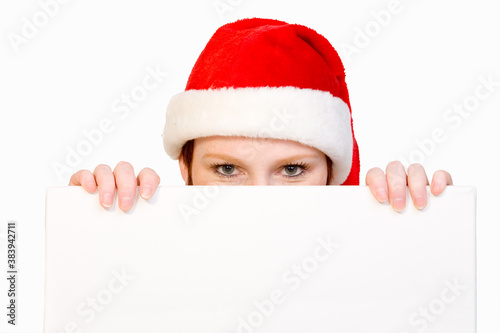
375, 179
85, 179
126, 183
148, 181
417, 182
440, 180
396, 183
106, 184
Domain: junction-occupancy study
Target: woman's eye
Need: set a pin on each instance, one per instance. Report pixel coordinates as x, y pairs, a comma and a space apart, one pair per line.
226, 169
292, 170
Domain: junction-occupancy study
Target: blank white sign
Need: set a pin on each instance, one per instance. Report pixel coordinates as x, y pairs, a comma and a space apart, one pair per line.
309, 259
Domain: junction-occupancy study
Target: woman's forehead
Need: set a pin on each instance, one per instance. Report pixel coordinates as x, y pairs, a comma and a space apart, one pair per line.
236, 144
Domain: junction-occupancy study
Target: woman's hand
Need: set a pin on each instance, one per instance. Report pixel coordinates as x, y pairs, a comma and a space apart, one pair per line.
391, 185
122, 178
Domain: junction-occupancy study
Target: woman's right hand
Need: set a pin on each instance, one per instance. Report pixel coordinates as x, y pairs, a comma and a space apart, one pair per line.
122, 178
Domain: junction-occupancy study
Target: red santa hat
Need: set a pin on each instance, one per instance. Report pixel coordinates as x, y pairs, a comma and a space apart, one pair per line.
265, 78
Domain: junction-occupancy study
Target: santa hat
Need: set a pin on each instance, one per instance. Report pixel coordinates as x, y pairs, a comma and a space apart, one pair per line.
265, 78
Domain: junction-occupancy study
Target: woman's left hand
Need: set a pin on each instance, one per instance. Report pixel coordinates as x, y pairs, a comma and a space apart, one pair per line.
391, 185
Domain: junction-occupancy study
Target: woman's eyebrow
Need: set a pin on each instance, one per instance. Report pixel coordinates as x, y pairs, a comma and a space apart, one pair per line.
228, 158
295, 158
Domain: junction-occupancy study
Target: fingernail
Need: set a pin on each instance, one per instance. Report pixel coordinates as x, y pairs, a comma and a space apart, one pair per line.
419, 202
147, 191
381, 195
107, 200
125, 203
399, 204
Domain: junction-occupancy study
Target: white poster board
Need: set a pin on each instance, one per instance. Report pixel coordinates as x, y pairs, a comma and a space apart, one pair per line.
311, 259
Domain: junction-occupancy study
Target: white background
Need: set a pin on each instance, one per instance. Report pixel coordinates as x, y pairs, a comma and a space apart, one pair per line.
403, 80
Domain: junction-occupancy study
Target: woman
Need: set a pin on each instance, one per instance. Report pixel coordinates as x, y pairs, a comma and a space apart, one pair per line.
266, 104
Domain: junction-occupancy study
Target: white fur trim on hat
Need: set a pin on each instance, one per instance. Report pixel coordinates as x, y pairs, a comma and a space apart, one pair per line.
311, 117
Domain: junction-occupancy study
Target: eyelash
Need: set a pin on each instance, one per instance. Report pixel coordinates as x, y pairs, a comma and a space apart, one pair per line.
301, 165
215, 166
